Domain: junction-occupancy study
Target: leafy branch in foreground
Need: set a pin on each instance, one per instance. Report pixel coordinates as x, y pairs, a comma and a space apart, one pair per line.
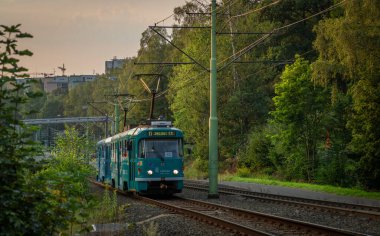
19, 214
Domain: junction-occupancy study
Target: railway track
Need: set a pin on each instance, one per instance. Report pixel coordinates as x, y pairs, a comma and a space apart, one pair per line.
240, 221
346, 209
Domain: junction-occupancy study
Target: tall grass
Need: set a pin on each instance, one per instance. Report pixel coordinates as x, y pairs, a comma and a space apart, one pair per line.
268, 180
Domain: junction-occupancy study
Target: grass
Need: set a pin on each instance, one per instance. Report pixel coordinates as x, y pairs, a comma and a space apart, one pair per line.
352, 192
191, 172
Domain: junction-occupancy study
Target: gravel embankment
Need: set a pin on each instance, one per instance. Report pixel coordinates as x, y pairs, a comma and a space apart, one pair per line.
357, 224
143, 219
146, 219
154, 219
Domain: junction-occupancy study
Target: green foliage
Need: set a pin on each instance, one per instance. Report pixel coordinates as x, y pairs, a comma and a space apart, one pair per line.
312, 123
196, 169
65, 180
107, 209
353, 192
348, 63
153, 48
245, 91
337, 168
53, 106
244, 172
19, 200
75, 103
298, 114
256, 155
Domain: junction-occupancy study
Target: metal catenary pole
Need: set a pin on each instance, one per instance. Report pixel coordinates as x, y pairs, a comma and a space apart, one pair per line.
116, 117
213, 121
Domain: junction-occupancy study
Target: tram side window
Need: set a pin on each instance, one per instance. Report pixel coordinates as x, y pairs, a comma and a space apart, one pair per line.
141, 149
125, 148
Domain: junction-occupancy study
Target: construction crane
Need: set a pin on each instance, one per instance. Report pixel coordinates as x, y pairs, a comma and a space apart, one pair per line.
63, 69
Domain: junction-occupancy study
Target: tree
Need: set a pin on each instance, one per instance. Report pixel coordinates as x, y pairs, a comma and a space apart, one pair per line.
348, 64
298, 114
65, 183
153, 48
17, 200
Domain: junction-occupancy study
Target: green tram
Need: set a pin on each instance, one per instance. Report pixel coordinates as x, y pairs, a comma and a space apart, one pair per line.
145, 159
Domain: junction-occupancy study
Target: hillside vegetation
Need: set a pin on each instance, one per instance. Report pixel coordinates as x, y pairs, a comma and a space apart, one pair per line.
298, 97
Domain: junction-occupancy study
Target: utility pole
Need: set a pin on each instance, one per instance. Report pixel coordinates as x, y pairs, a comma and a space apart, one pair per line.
213, 121
234, 72
101, 112
117, 111
116, 130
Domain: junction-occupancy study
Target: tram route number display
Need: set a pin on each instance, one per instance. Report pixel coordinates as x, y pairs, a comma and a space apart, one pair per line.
161, 133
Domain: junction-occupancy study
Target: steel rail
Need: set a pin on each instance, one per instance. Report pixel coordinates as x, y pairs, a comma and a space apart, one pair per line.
370, 212
229, 217
284, 226
204, 217
193, 214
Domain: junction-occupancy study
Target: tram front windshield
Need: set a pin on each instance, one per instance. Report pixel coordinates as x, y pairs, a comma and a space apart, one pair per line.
160, 148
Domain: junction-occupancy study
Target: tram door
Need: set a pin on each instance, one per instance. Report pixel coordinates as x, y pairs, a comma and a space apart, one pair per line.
99, 159
108, 162
131, 165
118, 164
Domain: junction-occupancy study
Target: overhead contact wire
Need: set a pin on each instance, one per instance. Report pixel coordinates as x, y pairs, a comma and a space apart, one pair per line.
260, 40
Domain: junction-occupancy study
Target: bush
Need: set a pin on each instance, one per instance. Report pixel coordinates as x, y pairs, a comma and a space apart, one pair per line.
65, 181
196, 170
337, 169
256, 154
244, 172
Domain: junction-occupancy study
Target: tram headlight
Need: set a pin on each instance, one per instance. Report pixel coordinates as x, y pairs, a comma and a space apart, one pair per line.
150, 172
175, 172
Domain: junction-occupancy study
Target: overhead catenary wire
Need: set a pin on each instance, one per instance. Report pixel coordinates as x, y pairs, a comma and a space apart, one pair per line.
244, 50
260, 40
254, 44
163, 20
274, 65
249, 12
138, 60
139, 57
319, 13
256, 10
221, 9
201, 3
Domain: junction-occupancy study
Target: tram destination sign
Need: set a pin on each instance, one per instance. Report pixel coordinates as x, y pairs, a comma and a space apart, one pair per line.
161, 133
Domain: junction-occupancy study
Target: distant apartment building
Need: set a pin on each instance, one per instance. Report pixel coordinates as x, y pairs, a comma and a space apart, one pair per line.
74, 80
55, 83
114, 64
62, 83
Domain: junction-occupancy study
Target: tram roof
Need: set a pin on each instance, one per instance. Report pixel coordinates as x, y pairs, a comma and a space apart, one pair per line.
133, 132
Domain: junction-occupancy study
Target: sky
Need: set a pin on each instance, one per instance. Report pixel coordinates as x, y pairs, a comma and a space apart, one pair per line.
82, 34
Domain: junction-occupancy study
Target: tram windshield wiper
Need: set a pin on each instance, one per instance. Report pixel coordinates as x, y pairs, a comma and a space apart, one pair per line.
158, 154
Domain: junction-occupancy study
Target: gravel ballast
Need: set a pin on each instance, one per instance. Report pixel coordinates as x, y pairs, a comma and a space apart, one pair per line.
145, 219
362, 224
